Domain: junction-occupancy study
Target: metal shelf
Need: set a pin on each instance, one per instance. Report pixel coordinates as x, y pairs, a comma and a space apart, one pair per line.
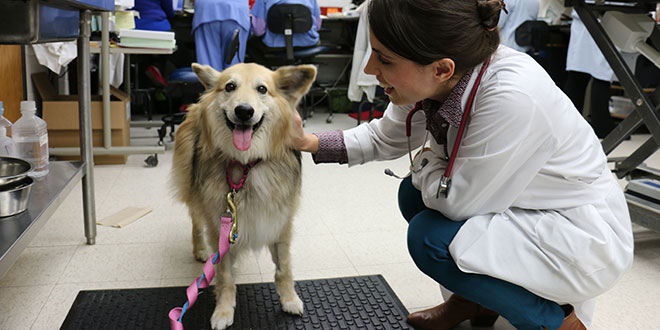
104, 49
134, 50
18, 230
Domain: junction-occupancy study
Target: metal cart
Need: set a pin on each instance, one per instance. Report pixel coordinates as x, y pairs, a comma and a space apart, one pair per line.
644, 211
35, 21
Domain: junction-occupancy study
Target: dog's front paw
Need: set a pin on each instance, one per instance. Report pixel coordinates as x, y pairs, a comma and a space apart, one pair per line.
222, 318
202, 254
293, 306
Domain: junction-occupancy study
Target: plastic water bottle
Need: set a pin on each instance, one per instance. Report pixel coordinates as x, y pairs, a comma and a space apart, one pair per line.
4, 122
7, 145
31, 137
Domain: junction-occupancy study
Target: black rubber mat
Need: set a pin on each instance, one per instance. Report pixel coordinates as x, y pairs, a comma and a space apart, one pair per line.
362, 302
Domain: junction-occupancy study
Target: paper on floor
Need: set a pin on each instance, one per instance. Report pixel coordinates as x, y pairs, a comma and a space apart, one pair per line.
124, 217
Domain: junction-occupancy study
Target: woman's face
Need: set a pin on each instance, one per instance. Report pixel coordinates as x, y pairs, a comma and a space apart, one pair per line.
404, 81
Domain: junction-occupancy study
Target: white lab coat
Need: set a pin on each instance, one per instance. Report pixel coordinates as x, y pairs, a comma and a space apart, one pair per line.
360, 82
544, 211
520, 11
584, 55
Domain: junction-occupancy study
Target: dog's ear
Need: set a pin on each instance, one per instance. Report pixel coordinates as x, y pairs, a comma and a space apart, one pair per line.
294, 81
207, 75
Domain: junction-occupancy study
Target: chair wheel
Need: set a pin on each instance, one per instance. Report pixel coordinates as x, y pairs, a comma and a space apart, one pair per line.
152, 161
329, 119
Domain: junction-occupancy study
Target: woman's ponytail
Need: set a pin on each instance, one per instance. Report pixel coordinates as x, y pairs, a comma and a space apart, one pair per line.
489, 12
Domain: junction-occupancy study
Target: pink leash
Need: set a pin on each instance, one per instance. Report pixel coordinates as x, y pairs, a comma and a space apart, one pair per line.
176, 314
228, 226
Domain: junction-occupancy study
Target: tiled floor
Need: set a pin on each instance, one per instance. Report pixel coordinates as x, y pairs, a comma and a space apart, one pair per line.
348, 224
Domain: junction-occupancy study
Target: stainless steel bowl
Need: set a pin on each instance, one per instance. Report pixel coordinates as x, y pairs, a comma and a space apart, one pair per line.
13, 169
14, 196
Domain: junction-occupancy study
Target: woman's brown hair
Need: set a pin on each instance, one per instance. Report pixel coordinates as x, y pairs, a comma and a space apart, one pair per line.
424, 31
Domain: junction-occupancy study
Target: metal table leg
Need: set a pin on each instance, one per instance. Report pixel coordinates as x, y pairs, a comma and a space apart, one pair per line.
84, 115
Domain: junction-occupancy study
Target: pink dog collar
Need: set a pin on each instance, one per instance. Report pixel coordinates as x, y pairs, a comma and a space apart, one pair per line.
246, 168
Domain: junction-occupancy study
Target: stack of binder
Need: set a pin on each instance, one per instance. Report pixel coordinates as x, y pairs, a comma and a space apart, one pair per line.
146, 39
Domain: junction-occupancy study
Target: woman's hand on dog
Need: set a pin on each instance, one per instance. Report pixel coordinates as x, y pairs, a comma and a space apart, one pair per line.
301, 140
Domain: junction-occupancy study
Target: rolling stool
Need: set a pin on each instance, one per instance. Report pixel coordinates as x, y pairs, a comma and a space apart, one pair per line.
181, 82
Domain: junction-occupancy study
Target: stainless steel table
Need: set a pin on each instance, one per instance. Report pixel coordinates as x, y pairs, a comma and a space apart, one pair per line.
31, 23
17, 231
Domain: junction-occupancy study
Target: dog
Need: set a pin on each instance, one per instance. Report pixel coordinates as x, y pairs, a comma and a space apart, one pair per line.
243, 117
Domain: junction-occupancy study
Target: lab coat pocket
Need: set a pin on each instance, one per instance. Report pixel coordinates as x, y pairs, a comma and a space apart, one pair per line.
561, 238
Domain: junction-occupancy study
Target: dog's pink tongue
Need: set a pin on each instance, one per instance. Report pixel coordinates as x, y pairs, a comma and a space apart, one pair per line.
242, 137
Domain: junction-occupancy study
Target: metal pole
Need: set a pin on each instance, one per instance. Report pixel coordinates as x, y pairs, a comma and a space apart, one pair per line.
105, 77
127, 74
117, 150
85, 122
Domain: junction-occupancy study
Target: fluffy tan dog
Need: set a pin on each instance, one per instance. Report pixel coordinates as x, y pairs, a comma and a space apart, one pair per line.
243, 116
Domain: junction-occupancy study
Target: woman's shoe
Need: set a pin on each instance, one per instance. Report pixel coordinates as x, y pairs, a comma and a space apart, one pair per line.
452, 312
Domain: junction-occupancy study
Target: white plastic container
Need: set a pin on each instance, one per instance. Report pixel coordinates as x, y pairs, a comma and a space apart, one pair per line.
7, 145
4, 122
31, 137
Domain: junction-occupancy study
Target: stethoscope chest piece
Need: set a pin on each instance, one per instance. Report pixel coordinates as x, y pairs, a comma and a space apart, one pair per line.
443, 187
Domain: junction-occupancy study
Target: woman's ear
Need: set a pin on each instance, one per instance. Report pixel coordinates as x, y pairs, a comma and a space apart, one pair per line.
443, 69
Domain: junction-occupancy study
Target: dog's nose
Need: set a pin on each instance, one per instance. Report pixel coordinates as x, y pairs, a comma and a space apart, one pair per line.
244, 112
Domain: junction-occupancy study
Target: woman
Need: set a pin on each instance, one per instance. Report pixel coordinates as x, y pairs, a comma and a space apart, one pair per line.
533, 226
585, 62
214, 24
154, 15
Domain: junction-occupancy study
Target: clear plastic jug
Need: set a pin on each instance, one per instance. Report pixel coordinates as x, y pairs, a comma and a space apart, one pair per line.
31, 136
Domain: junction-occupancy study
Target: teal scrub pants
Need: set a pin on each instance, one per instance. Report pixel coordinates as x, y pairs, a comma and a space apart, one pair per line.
429, 236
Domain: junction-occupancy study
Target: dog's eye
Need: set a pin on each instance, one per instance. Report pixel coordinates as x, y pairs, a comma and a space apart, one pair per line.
262, 89
230, 87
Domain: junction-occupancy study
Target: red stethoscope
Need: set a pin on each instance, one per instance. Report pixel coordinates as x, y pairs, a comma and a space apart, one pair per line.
445, 181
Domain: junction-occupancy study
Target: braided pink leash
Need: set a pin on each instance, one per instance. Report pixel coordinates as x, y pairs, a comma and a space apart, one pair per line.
176, 314
228, 234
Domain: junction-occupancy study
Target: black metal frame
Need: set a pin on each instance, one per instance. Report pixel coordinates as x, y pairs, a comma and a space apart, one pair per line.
645, 110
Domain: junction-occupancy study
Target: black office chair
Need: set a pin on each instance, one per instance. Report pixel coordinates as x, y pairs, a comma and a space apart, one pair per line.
534, 34
288, 20
380, 102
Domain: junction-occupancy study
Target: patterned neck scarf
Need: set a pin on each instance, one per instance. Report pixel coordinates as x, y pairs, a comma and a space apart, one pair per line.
441, 114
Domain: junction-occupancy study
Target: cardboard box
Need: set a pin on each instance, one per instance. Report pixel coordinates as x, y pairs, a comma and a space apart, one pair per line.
61, 114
